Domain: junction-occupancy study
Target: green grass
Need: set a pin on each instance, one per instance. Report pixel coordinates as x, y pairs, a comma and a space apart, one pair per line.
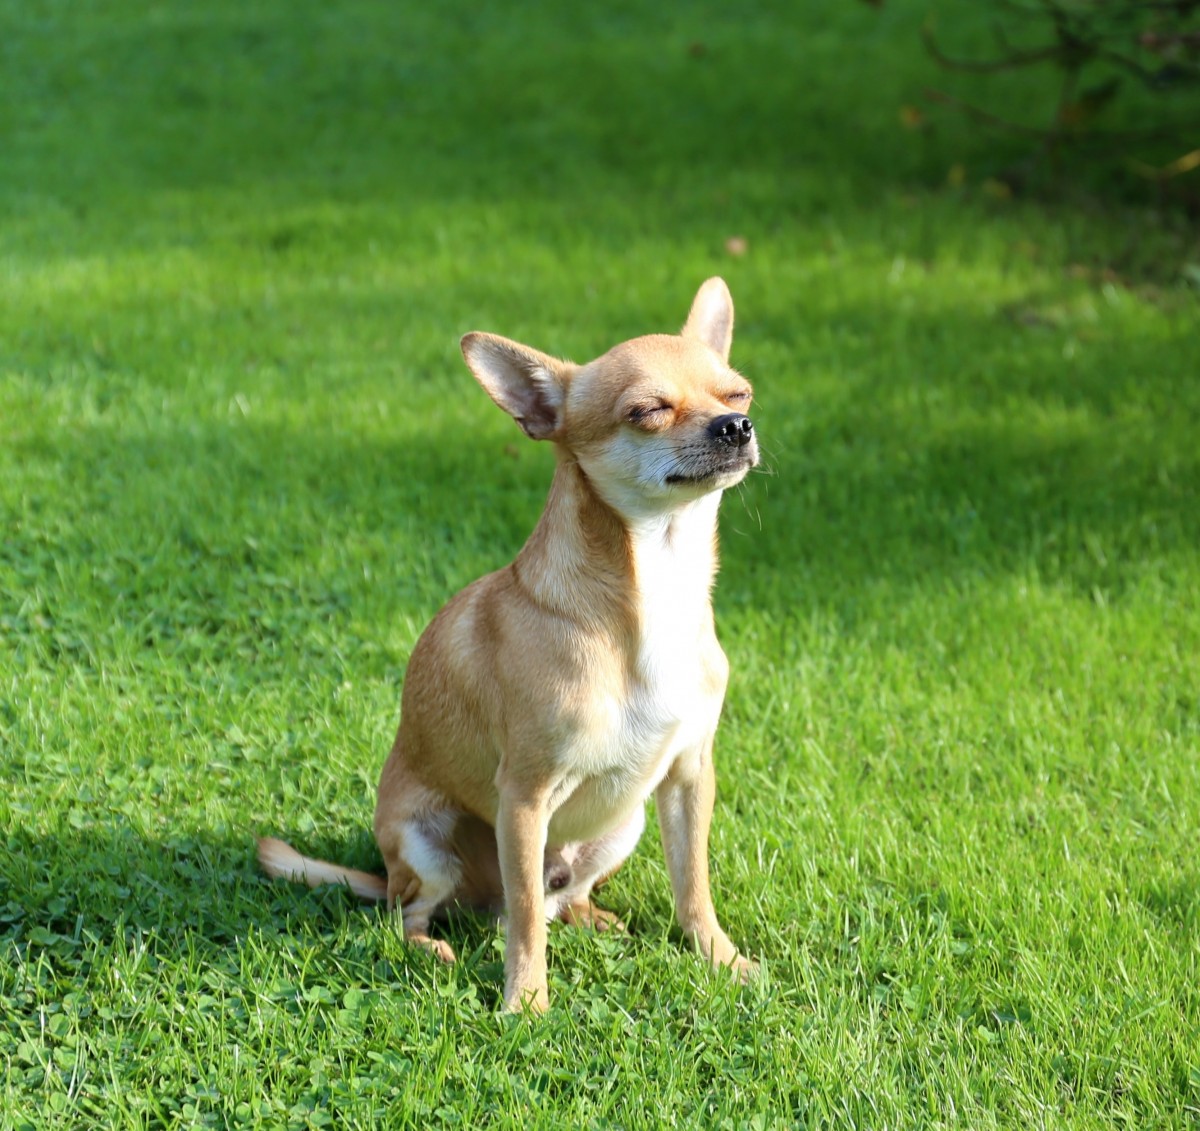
241, 465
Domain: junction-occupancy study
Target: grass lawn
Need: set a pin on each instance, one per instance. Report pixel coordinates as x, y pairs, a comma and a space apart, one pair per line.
242, 463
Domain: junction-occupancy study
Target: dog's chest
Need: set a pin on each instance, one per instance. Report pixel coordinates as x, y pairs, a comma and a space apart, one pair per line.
667, 702
674, 573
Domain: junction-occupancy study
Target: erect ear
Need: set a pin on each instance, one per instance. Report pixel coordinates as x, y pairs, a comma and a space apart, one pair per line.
711, 317
529, 386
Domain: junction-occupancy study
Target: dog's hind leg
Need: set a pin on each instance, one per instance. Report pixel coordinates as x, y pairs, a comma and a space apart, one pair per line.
423, 876
592, 863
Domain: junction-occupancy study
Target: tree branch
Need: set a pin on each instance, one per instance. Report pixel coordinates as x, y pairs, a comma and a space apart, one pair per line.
1091, 137
1017, 59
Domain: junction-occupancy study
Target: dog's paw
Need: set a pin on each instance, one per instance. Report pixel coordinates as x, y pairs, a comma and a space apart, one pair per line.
533, 1001
443, 950
743, 969
588, 915
602, 920
439, 948
723, 955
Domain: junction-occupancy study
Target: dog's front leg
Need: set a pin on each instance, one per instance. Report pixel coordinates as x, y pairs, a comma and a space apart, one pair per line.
521, 822
685, 806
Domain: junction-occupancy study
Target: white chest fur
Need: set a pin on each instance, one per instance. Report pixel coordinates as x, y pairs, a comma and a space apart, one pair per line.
667, 705
673, 571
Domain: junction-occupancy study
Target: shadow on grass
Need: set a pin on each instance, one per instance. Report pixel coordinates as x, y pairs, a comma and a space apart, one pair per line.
944, 477
197, 900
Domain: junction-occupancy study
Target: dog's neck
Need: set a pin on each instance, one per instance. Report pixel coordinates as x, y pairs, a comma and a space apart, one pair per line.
586, 561
674, 562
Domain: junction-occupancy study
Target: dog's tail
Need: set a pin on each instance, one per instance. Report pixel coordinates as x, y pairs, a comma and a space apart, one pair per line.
283, 862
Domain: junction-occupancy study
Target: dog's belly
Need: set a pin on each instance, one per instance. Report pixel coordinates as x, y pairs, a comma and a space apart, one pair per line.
616, 762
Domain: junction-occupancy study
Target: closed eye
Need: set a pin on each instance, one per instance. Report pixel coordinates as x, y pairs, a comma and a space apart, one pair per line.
737, 398
647, 413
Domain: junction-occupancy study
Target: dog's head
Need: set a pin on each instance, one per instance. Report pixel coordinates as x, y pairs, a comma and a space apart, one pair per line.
656, 422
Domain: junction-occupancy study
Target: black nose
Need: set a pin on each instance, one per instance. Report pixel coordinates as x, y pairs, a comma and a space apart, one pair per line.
732, 428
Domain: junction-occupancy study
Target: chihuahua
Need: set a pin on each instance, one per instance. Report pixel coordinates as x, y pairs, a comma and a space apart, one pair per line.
547, 701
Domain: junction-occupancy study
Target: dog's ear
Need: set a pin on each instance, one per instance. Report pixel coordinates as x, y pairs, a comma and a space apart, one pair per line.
711, 318
529, 386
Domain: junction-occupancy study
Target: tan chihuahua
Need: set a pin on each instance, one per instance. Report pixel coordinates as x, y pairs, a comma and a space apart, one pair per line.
547, 701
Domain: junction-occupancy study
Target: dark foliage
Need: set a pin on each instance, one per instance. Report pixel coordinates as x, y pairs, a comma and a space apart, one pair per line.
1127, 88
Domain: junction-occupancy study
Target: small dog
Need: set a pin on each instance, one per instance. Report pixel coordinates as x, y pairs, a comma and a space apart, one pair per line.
547, 701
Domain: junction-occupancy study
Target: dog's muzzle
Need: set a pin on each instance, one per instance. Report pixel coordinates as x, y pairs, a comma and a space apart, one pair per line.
728, 448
